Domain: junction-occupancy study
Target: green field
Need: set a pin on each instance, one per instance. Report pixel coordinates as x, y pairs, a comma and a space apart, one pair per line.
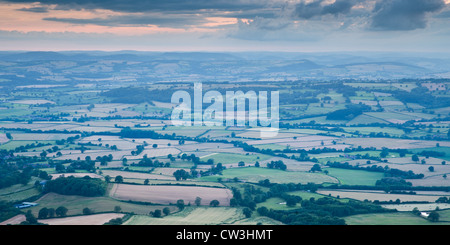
226, 158
399, 218
355, 177
192, 216
445, 150
254, 175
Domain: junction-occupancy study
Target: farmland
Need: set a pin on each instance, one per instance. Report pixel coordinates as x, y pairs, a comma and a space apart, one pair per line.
339, 145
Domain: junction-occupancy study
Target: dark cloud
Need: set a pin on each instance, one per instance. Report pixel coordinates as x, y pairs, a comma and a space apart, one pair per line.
404, 15
152, 5
317, 8
35, 9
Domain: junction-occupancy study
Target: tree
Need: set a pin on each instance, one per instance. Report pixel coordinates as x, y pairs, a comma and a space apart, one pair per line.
233, 202
117, 209
107, 178
181, 174
247, 212
180, 204
157, 213
316, 167
433, 216
384, 153
198, 201
51, 212
87, 211
118, 179
415, 158
166, 211
43, 154
431, 169
146, 181
241, 164
43, 213
214, 203
61, 211
155, 146
30, 218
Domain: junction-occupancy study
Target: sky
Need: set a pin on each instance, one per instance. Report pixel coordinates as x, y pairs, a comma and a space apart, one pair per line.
226, 25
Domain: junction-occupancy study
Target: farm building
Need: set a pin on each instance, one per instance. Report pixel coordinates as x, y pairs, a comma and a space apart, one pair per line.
25, 205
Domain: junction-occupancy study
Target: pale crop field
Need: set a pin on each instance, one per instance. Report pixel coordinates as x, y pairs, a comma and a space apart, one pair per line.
40, 137
95, 219
136, 175
3, 138
158, 152
192, 216
170, 194
437, 180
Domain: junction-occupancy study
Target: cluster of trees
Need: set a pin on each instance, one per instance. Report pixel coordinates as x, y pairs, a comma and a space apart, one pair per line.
181, 174
421, 96
323, 211
277, 165
10, 175
48, 213
85, 186
388, 172
7, 210
349, 113
158, 213
25, 148
147, 162
443, 200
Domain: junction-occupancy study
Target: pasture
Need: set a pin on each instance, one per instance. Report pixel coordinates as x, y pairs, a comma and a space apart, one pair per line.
254, 175
354, 177
399, 218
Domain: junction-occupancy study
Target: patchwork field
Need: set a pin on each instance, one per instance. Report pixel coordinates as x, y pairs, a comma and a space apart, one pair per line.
379, 195
193, 216
254, 175
170, 194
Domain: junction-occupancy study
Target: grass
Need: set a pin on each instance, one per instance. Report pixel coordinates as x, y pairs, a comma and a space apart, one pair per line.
399, 218
226, 158
192, 216
254, 175
355, 177
368, 130
271, 146
19, 192
445, 150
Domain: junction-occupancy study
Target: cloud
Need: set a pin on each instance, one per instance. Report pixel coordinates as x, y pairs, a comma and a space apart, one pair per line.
317, 8
153, 5
35, 9
403, 15
175, 21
